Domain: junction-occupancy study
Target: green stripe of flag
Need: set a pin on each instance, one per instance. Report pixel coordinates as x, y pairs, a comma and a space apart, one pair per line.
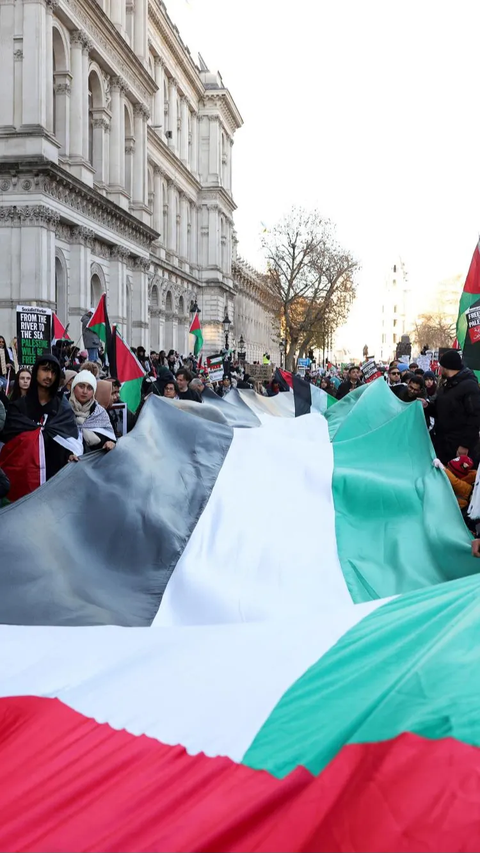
407, 667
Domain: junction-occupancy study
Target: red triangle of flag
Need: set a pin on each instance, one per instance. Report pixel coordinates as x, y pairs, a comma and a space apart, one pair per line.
59, 331
195, 327
100, 313
127, 366
472, 283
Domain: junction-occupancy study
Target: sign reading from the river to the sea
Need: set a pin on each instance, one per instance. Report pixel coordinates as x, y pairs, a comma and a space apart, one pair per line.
34, 333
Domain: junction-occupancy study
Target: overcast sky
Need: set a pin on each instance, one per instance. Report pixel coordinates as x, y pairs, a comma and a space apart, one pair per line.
365, 109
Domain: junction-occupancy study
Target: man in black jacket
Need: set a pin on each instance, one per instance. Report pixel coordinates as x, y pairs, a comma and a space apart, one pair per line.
350, 384
184, 377
456, 409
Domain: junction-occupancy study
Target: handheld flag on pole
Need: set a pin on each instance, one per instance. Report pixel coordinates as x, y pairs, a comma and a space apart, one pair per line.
59, 331
100, 323
468, 322
196, 331
125, 367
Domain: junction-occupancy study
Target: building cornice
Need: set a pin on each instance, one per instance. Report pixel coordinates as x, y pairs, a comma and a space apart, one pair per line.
171, 36
107, 41
222, 101
41, 178
247, 279
217, 195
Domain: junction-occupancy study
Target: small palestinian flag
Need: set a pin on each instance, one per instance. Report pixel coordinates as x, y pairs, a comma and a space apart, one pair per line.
196, 331
59, 331
468, 322
100, 323
284, 379
127, 369
215, 367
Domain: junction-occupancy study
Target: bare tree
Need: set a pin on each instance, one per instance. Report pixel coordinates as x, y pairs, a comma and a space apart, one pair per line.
312, 276
435, 330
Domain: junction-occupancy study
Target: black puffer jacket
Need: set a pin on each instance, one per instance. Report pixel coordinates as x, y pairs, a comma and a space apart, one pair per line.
456, 410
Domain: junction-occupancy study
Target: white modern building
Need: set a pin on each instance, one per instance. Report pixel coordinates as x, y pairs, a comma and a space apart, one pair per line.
396, 311
116, 176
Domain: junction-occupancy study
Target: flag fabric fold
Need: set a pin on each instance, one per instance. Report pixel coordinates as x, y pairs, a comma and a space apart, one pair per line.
312, 686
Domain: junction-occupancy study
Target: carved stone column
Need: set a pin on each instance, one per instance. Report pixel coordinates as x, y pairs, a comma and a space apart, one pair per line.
184, 115
117, 143
140, 157
117, 285
63, 90
157, 200
7, 63
172, 114
141, 267
183, 249
159, 102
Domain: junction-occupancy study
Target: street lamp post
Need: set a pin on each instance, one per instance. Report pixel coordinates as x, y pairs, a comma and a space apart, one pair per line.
226, 327
281, 347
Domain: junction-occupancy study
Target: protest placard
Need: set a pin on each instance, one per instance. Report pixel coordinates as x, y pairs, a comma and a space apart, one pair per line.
370, 370
34, 333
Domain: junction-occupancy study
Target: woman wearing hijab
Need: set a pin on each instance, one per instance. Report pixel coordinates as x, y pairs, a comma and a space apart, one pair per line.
91, 418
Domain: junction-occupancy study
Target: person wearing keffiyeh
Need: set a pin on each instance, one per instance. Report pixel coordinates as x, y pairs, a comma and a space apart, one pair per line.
92, 419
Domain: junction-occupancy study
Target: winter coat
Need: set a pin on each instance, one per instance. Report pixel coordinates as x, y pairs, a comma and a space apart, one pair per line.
90, 338
345, 389
456, 410
462, 486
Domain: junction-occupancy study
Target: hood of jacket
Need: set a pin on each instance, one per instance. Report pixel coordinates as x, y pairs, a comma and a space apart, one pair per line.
47, 358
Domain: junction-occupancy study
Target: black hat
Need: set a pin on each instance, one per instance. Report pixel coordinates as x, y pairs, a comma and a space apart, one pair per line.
451, 360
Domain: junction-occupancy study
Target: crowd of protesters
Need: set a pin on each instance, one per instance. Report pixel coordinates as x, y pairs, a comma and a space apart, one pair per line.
70, 399
69, 405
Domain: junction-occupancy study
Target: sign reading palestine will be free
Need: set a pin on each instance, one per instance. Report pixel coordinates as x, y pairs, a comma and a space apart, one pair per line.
34, 333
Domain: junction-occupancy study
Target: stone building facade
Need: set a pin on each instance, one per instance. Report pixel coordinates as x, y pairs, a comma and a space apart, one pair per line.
116, 176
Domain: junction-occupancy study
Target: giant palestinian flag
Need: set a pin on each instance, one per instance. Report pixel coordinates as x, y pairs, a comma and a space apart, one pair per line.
468, 323
175, 476
350, 730
308, 683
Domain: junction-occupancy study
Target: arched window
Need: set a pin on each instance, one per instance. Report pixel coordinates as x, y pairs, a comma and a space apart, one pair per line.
61, 289
154, 298
169, 302
95, 290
